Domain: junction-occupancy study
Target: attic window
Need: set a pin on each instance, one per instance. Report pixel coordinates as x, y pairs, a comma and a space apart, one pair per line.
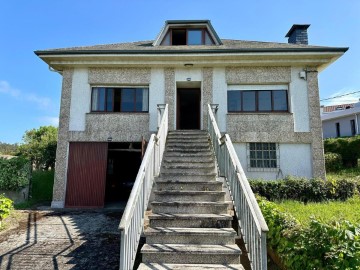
191, 36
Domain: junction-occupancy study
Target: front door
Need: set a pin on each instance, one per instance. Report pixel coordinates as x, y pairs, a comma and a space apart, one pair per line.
188, 108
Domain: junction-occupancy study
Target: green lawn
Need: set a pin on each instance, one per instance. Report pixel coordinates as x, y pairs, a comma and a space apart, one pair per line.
325, 211
349, 173
41, 191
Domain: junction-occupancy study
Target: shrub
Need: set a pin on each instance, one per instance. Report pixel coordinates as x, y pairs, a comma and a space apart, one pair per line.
302, 189
318, 246
6, 205
14, 173
333, 162
348, 148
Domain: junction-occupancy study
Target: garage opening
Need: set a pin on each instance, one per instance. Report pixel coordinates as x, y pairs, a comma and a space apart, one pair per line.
123, 163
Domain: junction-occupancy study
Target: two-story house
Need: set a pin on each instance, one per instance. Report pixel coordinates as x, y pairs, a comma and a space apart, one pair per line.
267, 95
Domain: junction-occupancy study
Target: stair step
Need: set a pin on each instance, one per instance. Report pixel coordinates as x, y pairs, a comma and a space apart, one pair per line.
188, 132
188, 165
190, 207
199, 236
162, 185
189, 171
192, 254
192, 196
190, 220
188, 154
186, 145
168, 266
182, 139
190, 176
188, 150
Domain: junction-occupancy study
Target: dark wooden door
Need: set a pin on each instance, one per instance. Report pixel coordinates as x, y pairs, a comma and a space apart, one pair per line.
86, 176
188, 108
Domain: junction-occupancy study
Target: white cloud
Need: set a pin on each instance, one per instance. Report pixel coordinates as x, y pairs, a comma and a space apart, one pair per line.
344, 96
42, 102
49, 120
7, 89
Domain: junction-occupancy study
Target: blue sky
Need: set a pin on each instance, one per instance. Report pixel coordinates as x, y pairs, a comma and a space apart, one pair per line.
30, 93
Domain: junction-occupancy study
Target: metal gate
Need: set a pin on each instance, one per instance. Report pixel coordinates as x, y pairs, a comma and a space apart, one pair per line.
86, 176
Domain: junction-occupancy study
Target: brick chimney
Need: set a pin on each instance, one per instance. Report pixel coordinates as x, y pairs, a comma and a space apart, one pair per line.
298, 34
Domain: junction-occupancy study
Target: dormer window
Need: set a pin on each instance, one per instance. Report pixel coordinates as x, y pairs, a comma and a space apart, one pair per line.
189, 36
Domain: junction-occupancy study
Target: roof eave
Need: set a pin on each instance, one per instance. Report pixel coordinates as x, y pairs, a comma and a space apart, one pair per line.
206, 51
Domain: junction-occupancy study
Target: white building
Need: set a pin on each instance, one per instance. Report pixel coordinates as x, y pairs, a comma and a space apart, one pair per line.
267, 95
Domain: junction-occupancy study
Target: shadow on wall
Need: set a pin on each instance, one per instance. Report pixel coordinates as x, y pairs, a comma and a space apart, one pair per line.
69, 240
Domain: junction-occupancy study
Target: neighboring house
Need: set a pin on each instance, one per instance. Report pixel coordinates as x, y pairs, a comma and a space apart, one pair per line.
341, 122
267, 94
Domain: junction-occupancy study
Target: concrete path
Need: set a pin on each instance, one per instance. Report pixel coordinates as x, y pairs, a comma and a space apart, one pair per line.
68, 240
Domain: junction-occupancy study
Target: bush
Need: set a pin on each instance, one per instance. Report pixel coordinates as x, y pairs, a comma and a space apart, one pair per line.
333, 162
304, 190
14, 173
318, 246
348, 148
6, 205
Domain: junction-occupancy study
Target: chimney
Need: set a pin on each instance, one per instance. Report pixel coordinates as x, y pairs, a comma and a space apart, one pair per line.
298, 34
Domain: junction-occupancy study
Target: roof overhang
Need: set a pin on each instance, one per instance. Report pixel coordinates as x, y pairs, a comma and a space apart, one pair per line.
309, 57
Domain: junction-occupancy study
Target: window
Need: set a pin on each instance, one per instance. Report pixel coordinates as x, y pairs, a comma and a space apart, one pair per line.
120, 99
337, 129
190, 36
257, 101
353, 129
263, 156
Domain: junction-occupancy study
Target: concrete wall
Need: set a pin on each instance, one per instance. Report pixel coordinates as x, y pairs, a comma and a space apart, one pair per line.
329, 127
295, 159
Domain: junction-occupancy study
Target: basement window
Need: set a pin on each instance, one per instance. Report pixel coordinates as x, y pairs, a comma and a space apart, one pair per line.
263, 156
105, 99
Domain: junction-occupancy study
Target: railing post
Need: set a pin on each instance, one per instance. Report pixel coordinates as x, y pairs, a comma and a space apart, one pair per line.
160, 108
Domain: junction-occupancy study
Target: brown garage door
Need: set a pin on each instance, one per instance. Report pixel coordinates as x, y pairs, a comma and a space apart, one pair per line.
86, 175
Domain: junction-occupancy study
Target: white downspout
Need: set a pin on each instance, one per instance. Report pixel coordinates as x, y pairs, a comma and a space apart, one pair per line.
357, 124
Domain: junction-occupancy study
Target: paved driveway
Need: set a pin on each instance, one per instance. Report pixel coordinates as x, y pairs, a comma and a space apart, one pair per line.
67, 240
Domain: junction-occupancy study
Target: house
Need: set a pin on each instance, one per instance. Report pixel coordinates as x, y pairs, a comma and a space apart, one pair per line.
341, 122
266, 93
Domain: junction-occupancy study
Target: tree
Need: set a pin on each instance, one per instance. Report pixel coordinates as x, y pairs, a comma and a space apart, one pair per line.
40, 146
7, 148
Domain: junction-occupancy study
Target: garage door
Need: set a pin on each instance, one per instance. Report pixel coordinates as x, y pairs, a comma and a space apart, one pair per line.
86, 176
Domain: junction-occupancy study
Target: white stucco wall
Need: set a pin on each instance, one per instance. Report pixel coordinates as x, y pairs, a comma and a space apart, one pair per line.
299, 103
329, 126
295, 159
156, 95
80, 100
220, 96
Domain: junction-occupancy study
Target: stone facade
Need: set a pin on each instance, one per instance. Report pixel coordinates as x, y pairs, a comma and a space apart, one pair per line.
315, 124
258, 75
116, 76
125, 127
62, 146
170, 95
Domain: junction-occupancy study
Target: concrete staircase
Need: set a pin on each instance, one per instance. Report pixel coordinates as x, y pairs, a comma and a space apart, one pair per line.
190, 227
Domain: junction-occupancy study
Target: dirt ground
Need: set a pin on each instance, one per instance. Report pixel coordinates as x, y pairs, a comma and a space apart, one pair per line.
61, 240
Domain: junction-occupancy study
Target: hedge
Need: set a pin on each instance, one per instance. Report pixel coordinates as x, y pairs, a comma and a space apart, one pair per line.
318, 246
302, 189
348, 148
14, 173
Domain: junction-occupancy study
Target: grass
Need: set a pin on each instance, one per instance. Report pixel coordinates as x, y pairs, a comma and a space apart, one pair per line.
348, 173
41, 190
325, 211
